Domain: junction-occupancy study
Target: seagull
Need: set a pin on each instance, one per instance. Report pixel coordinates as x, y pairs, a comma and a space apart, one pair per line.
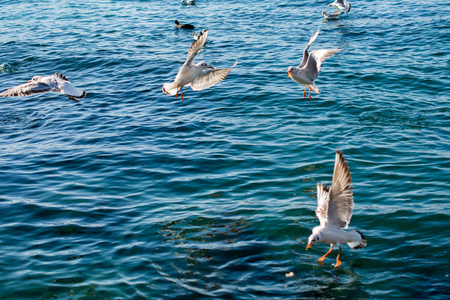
308, 70
188, 2
334, 210
341, 5
41, 84
332, 16
196, 75
184, 26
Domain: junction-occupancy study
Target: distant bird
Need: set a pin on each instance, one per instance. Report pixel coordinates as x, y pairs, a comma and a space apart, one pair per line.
334, 210
196, 75
188, 2
308, 70
341, 5
41, 84
332, 16
184, 26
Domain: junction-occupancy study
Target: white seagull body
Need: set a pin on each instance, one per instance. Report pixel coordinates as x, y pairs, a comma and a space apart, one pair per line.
332, 16
334, 210
308, 70
195, 75
341, 5
41, 84
188, 2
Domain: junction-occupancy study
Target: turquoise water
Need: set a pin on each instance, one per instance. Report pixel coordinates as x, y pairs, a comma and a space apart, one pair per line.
133, 194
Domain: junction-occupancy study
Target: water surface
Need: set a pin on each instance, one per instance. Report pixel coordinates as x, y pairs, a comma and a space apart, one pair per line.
133, 194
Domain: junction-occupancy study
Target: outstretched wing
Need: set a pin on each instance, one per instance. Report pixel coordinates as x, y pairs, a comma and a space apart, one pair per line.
340, 206
305, 52
209, 78
314, 63
323, 197
26, 89
196, 46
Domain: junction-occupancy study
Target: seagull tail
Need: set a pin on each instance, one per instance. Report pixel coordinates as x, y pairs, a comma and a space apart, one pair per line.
314, 88
360, 241
170, 88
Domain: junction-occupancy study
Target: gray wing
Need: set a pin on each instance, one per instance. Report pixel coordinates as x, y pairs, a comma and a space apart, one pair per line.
323, 197
338, 4
340, 206
196, 46
314, 63
305, 52
209, 78
29, 88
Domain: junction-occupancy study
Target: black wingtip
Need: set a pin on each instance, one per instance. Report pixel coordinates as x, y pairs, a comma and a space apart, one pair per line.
363, 242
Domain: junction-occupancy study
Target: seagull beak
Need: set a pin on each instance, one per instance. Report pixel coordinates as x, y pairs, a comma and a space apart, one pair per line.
209, 67
289, 73
307, 246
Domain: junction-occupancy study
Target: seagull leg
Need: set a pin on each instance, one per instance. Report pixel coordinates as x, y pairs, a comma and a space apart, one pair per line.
181, 90
310, 94
178, 87
325, 255
73, 98
338, 262
304, 95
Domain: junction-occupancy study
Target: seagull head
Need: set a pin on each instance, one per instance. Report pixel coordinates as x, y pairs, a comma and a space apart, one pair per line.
313, 238
204, 65
35, 78
290, 70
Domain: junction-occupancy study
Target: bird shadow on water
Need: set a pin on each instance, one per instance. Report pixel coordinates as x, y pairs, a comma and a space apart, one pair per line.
210, 255
328, 282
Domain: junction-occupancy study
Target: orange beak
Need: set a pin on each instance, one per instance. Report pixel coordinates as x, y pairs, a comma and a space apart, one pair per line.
289, 74
307, 246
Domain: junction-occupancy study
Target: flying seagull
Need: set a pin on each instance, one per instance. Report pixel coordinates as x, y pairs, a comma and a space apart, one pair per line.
341, 5
41, 84
308, 70
200, 75
334, 210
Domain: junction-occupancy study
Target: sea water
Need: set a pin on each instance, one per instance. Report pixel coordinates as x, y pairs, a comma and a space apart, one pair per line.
134, 194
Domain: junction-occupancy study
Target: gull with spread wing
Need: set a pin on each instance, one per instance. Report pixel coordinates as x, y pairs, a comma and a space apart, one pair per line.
334, 210
41, 84
196, 75
341, 5
308, 70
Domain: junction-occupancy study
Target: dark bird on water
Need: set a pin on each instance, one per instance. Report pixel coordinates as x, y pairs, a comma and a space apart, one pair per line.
184, 26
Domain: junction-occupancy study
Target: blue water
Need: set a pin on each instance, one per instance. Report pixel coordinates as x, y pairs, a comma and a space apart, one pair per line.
133, 194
